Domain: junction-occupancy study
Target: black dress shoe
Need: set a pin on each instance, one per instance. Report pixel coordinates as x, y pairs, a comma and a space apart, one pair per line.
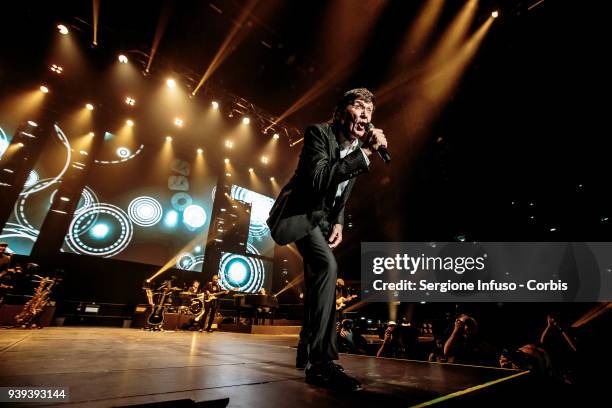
332, 376
301, 358
300, 363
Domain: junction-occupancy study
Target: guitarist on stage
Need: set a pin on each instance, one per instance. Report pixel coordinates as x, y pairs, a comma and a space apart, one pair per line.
212, 290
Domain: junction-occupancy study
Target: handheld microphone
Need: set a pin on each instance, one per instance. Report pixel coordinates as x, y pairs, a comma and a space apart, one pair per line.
382, 151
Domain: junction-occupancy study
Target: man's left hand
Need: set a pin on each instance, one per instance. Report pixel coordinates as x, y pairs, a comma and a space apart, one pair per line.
336, 236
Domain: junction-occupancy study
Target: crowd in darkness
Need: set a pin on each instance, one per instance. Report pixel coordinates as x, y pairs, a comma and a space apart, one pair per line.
552, 357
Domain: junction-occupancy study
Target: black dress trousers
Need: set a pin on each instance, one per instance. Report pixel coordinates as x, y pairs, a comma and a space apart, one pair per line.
320, 272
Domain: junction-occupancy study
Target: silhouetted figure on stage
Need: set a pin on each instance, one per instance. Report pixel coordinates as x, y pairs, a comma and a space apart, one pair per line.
5, 258
310, 212
5, 276
212, 290
194, 289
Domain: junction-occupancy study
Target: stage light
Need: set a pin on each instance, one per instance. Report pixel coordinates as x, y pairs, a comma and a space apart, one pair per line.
251, 170
20, 144
89, 107
228, 174
84, 153
276, 136
229, 144
264, 159
100, 231
168, 138
171, 83
226, 161
495, 14
91, 134
64, 199
200, 151
44, 89
171, 218
215, 105
123, 59
271, 178
32, 123
130, 101
246, 121
178, 122
62, 29
129, 122
57, 69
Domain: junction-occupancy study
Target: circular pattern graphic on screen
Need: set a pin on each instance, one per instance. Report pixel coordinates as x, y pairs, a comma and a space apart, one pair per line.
241, 273
180, 201
145, 211
189, 262
194, 217
123, 152
32, 179
260, 210
108, 235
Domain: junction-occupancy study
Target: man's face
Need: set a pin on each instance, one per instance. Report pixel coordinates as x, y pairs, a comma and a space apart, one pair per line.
356, 117
215, 279
2, 249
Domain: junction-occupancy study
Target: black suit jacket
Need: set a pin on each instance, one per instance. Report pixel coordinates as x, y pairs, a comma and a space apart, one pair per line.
309, 196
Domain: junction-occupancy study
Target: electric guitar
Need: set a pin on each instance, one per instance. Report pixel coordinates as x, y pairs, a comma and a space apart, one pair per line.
342, 301
213, 296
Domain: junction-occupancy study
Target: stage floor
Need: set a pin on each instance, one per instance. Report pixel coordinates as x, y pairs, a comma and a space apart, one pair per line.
117, 367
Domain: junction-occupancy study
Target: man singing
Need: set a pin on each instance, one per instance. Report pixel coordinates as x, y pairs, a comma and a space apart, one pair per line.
310, 212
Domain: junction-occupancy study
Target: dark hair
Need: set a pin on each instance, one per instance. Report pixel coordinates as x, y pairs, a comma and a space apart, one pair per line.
351, 96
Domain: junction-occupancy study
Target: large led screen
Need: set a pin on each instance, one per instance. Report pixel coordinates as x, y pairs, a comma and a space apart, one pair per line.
144, 204
259, 241
23, 226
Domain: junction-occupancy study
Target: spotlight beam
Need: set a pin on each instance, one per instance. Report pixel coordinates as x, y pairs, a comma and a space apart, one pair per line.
96, 14
225, 50
164, 17
344, 38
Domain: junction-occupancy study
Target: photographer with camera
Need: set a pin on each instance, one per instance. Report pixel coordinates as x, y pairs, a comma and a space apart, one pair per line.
464, 345
349, 340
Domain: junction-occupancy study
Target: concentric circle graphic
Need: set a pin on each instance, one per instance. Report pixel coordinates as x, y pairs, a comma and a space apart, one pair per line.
242, 273
180, 201
108, 235
189, 262
145, 211
123, 152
